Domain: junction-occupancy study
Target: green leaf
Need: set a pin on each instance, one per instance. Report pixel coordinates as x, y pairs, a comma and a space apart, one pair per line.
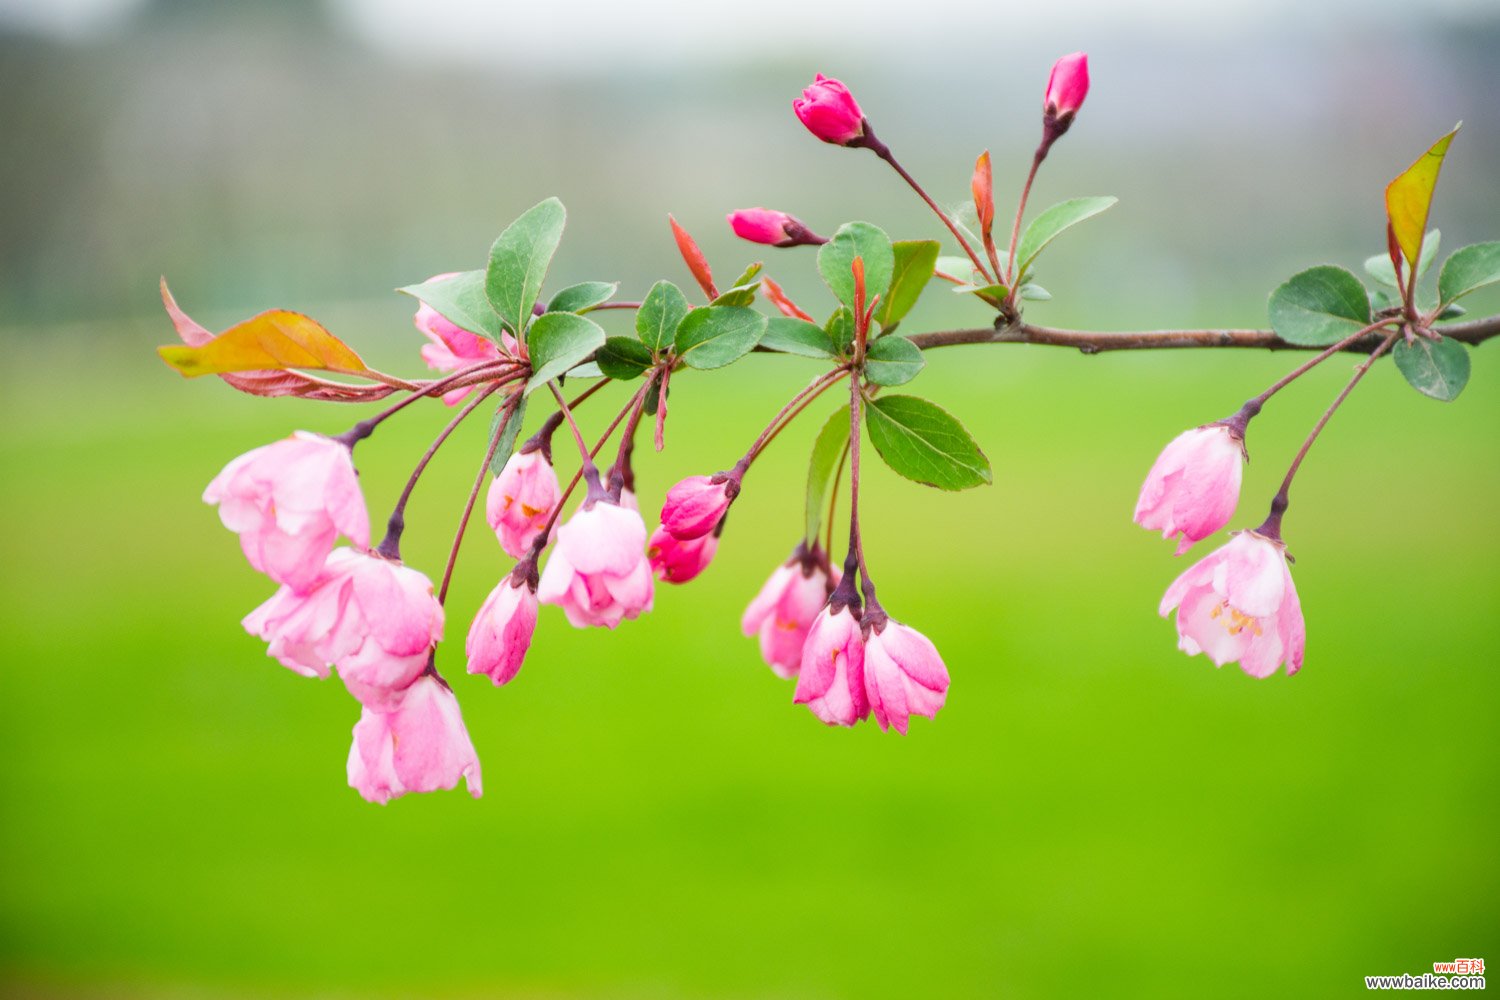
1046, 227
914, 261
1382, 270
589, 369
993, 294
1436, 368
961, 268
828, 448
1036, 293
508, 435
857, 239
797, 336
519, 261
742, 292
893, 360
653, 394
840, 327
583, 296
1469, 268
661, 311
923, 442
714, 336
461, 301
623, 358
1408, 198
1319, 306
557, 342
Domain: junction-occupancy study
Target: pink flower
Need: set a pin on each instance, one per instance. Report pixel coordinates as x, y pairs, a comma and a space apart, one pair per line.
419, 745
762, 225
904, 675
1193, 488
289, 501
376, 620
678, 561
452, 347
1238, 603
830, 112
695, 506
501, 633
831, 681
783, 612
598, 573
521, 500
1067, 86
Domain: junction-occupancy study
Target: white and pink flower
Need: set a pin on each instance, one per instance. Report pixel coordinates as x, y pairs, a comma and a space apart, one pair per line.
501, 632
697, 504
782, 613
598, 572
1194, 486
831, 680
677, 561
521, 500
451, 347
419, 744
904, 675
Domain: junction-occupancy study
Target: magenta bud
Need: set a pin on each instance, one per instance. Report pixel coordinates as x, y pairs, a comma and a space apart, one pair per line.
777, 229
830, 112
1067, 87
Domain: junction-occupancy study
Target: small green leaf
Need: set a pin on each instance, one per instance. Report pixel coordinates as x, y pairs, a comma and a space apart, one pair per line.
589, 369
797, 336
519, 261
828, 448
1436, 368
840, 327
1036, 293
961, 268
714, 336
893, 360
1046, 227
653, 394
742, 292
1380, 268
557, 342
582, 297
914, 261
1408, 198
508, 435
1319, 306
1469, 268
661, 311
857, 239
461, 301
923, 442
993, 294
623, 358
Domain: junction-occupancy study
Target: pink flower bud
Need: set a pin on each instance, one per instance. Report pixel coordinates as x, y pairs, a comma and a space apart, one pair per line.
289, 501
830, 112
1238, 603
419, 745
376, 620
501, 633
677, 561
777, 229
521, 500
695, 506
452, 347
831, 681
783, 612
1194, 487
904, 675
1067, 87
598, 573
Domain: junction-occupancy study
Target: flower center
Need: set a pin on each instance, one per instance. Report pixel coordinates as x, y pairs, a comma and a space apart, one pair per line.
1234, 621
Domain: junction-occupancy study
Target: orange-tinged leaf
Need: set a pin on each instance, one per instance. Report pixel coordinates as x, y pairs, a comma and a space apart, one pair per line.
694, 259
1408, 198
276, 339
983, 187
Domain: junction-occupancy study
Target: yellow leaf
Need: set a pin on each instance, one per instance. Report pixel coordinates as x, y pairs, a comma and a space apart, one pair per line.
1408, 198
277, 339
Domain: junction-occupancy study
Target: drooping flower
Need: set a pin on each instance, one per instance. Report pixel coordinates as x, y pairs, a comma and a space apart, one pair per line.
831, 680
677, 561
1067, 86
1238, 604
521, 500
904, 675
501, 632
376, 620
1194, 486
783, 612
598, 572
772, 228
418, 745
830, 112
289, 501
695, 506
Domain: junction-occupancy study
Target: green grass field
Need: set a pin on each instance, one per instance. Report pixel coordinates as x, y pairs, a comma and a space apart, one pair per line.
1092, 814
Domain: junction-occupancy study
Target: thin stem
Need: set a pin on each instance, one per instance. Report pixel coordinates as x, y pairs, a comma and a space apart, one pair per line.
833, 497
627, 439
1015, 228
803, 397
376, 376
1317, 359
562, 405
484, 467
618, 305
366, 427
884, 152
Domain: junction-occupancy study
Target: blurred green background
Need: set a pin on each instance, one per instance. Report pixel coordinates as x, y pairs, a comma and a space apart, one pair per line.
1091, 814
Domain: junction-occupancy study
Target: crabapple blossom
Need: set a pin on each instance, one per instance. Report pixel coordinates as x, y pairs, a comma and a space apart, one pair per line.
696, 505
1067, 86
830, 112
1194, 486
521, 499
677, 561
904, 675
777, 229
452, 347
501, 632
419, 744
598, 573
831, 680
783, 612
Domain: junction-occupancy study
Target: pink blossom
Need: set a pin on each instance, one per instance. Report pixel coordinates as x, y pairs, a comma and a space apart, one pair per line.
598, 573
452, 347
501, 633
904, 675
763, 225
289, 501
1067, 86
830, 112
678, 561
1238, 603
376, 620
1193, 488
831, 680
695, 506
783, 612
521, 500
418, 745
